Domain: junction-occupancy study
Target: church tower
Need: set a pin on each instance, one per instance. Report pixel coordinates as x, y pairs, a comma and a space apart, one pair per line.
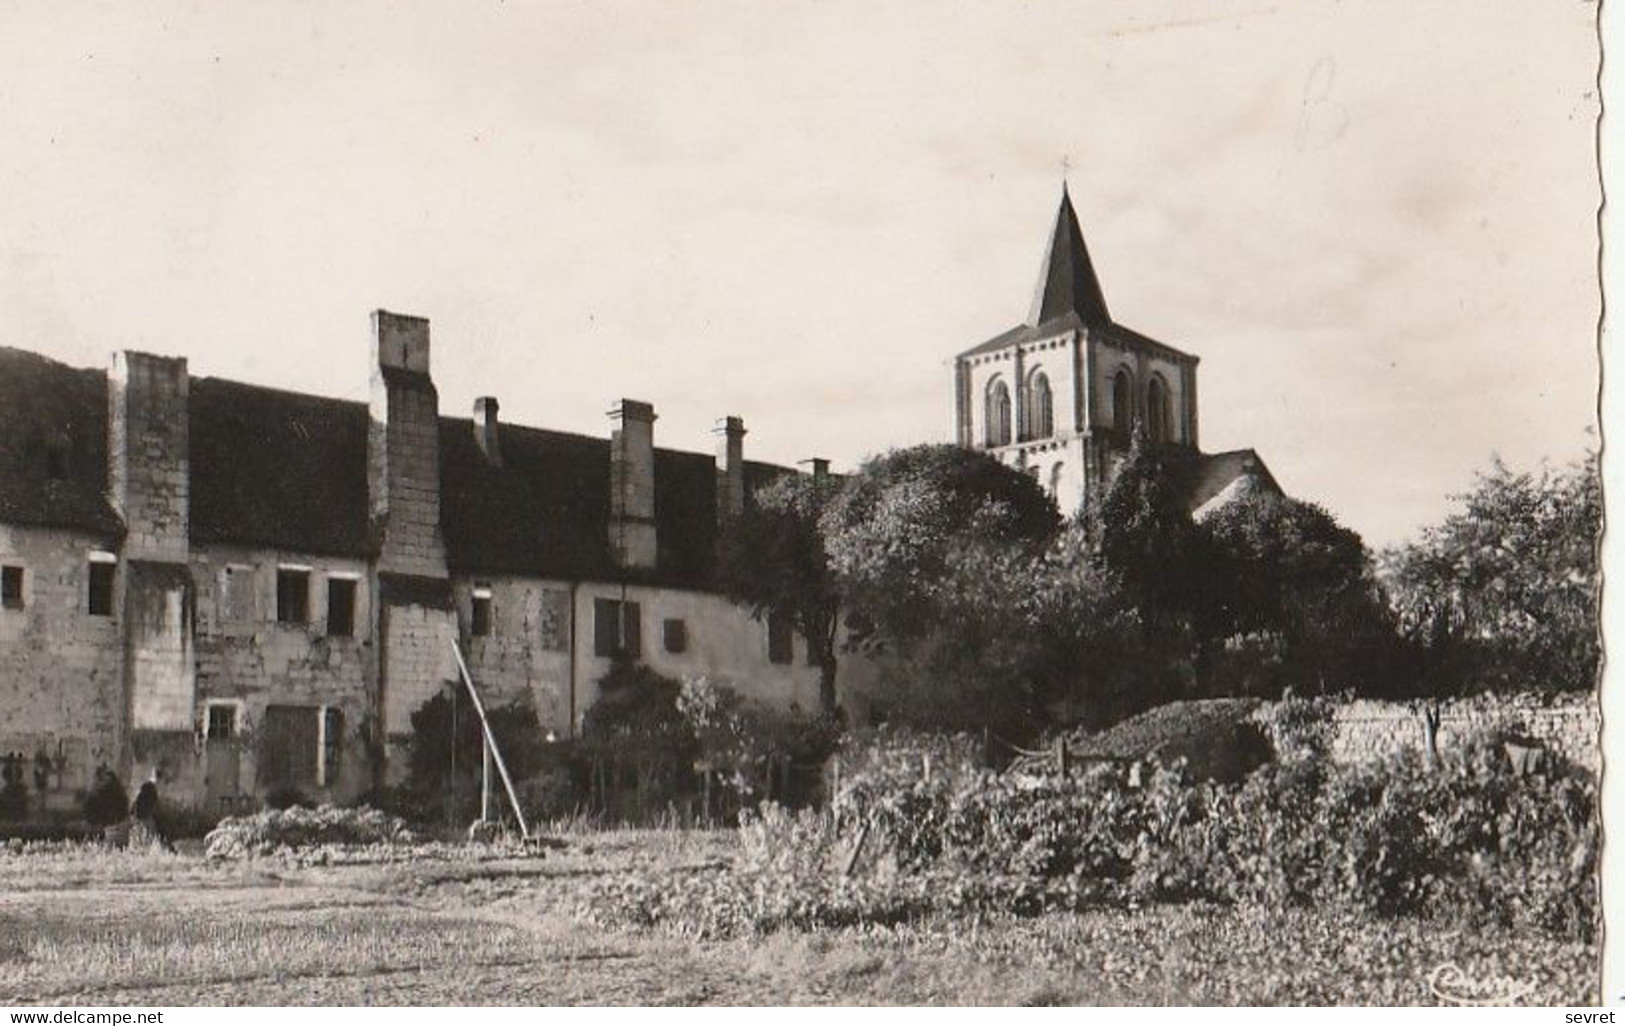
1061, 394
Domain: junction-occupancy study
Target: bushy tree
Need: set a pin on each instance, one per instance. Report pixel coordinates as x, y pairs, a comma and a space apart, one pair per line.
635, 734
899, 524
932, 548
773, 562
1145, 536
1504, 592
1143, 539
746, 744
1298, 594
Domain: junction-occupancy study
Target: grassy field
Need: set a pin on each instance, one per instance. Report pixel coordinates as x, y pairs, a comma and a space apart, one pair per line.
449, 926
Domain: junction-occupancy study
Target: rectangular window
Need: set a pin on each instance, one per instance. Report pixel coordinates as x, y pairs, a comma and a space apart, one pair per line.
479, 613
11, 587
780, 640
340, 607
222, 725
292, 595
676, 636
617, 629
99, 594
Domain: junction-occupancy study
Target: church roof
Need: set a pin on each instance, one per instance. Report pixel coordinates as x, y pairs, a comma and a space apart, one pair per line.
1068, 296
286, 470
1066, 280
1210, 480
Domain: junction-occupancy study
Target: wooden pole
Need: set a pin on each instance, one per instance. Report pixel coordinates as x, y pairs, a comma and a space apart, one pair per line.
1061, 756
485, 780
857, 850
491, 741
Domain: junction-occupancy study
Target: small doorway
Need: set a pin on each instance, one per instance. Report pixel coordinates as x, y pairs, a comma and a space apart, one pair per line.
222, 756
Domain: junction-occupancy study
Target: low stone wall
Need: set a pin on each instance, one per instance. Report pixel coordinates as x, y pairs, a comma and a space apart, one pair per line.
1373, 730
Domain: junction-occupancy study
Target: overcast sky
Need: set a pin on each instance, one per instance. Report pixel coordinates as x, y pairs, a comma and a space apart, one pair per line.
1374, 222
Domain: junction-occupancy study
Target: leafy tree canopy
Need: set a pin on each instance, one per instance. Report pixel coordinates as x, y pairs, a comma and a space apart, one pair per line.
1504, 592
894, 530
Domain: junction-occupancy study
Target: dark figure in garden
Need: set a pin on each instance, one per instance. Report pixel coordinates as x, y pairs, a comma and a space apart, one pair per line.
145, 826
106, 804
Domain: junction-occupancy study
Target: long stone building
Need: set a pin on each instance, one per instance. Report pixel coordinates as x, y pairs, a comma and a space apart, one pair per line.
250, 589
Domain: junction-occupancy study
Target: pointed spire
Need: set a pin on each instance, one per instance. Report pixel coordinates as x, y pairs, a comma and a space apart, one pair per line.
1066, 281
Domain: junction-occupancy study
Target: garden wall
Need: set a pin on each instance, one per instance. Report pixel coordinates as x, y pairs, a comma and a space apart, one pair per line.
1373, 730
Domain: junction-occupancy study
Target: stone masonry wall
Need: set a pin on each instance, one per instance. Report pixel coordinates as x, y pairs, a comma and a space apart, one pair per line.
1374, 730
62, 690
527, 651
417, 640
248, 659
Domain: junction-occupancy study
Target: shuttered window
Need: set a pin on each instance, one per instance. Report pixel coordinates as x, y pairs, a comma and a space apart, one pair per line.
617, 629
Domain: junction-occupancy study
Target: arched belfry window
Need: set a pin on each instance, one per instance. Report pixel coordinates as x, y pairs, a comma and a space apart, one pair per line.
1039, 421
997, 428
1157, 416
1123, 403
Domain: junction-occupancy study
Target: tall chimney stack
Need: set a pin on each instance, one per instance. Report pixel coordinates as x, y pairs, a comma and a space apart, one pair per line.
730, 432
632, 537
486, 429
403, 448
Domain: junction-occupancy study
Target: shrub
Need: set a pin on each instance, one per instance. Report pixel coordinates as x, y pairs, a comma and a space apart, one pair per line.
297, 827
1299, 728
106, 802
550, 793
1470, 842
748, 744
444, 767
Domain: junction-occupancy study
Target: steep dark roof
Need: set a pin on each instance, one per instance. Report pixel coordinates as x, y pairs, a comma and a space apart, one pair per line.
1068, 296
1066, 279
289, 471
278, 469
53, 445
545, 510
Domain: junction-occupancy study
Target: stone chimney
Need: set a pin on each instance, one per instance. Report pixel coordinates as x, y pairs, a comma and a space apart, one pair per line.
149, 485
148, 454
820, 469
633, 542
403, 449
730, 432
486, 429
